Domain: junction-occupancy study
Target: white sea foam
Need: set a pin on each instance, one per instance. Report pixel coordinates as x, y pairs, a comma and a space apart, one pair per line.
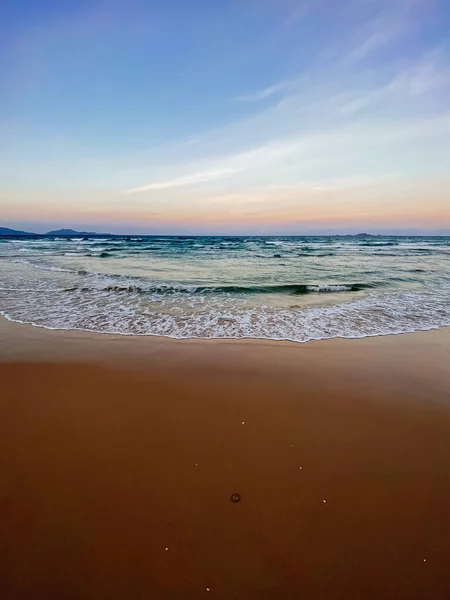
330, 288
101, 311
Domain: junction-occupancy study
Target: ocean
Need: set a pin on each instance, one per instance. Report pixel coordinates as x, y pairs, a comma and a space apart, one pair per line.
279, 288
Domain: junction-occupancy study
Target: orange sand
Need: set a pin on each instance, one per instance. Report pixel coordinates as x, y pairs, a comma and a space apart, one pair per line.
118, 458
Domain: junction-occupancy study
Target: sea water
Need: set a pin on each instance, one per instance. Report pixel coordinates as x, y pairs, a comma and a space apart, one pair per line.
282, 288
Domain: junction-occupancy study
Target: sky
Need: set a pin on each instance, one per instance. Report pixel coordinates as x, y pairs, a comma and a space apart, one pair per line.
230, 117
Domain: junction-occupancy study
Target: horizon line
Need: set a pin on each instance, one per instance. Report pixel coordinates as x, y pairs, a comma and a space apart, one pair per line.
231, 235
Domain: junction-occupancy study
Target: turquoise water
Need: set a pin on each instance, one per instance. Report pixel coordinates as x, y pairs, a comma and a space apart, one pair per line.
296, 288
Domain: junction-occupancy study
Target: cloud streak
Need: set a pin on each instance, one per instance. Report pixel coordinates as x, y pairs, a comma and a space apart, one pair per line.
188, 180
263, 94
365, 48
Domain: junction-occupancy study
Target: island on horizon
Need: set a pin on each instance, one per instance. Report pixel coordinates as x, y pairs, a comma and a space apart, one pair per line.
6, 231
70, 232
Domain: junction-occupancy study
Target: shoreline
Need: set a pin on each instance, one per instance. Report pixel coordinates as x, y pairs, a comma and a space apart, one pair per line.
257, 340
119, 456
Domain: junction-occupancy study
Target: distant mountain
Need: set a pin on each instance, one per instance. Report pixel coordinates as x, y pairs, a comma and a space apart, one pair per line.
70, 232
7, 231
357, 235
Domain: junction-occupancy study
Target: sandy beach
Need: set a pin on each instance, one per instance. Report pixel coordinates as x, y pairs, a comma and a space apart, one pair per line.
119, 456
225, 300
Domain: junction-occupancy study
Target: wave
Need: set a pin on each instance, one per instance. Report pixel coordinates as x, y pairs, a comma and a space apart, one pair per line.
83, 254
42, 267
372, 315
294, 289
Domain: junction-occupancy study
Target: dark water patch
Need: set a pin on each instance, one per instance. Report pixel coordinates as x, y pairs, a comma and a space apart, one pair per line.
403, 279
379, 244
78, 289
313, 256
331, 288
279, 289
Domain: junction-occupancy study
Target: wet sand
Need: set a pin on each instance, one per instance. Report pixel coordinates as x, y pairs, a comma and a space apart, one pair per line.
119, 456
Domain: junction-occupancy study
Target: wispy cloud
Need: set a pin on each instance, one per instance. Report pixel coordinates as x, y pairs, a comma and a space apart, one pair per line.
188, 180
267, 92
426, 76
392, 22
429, 74
365, 48
333, 155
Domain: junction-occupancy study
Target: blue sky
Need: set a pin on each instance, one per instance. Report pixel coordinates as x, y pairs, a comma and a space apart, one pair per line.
268, 116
